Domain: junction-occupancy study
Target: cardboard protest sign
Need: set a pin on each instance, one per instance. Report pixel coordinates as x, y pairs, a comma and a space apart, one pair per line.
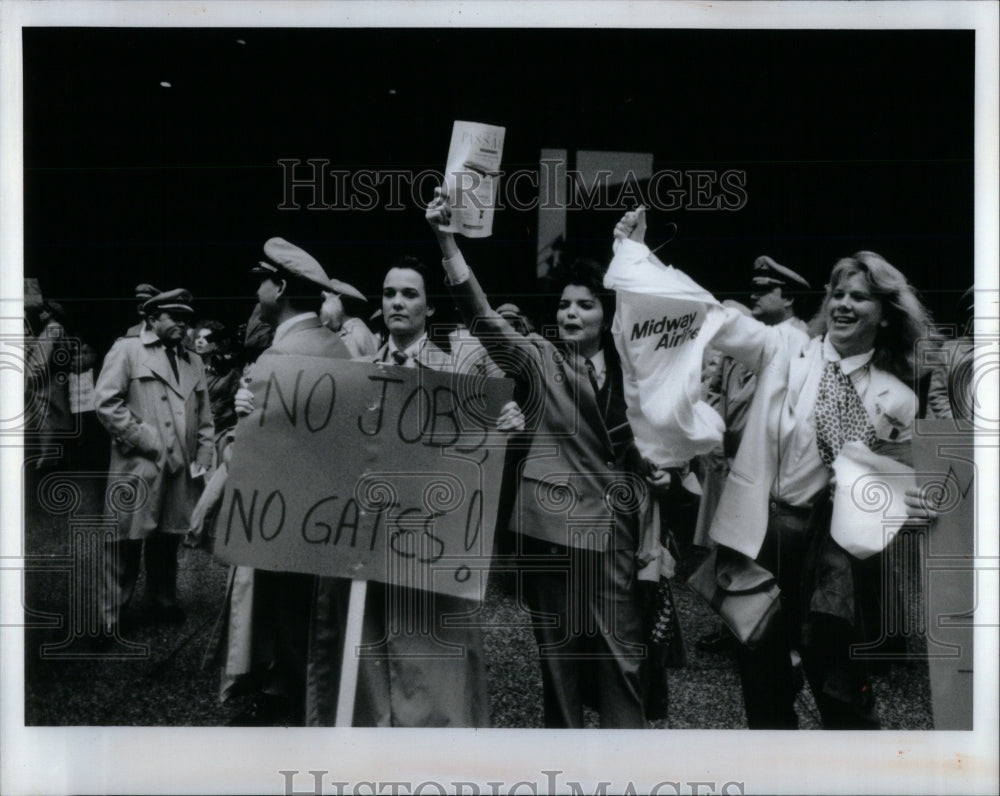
944, 463
471, 176
365, 471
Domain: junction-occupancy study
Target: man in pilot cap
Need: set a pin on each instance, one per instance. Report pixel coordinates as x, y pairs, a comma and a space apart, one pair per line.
151, 396
772, 301
774, 288
266, 612
143, 293
513, 315
292, 284
773, 292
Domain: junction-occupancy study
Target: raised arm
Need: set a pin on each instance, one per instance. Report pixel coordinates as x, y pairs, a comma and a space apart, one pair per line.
746, 340
631, 226
515, 354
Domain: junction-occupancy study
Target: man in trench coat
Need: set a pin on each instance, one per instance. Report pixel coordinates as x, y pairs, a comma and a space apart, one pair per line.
152, 398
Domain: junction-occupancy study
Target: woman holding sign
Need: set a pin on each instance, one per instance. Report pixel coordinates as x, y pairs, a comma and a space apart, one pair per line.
421, 666
847, 384
576, 515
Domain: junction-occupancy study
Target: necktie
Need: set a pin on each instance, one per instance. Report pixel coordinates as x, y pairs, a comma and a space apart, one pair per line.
172, 356
592, 375
841, 417
400, 358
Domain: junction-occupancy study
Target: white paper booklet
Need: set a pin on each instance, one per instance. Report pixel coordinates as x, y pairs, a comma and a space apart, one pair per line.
471, 177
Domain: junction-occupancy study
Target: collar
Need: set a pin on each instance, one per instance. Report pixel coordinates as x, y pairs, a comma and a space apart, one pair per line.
285, 325
147, 336
600, 366
847, 364
412, 350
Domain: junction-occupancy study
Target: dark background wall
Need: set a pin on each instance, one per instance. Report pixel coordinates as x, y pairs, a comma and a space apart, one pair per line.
849, 140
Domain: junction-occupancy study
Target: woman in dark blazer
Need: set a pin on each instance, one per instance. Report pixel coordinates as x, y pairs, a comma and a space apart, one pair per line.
576, 514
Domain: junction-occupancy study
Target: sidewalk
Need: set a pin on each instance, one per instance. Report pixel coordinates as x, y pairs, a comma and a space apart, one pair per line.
164, 680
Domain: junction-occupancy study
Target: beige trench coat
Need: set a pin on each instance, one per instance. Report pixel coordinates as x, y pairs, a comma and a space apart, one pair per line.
158, 428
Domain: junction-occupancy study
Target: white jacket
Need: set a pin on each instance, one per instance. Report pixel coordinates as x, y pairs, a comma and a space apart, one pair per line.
788, 377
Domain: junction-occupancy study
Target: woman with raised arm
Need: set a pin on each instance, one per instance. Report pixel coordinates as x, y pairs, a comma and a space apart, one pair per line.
576, 514
849, 382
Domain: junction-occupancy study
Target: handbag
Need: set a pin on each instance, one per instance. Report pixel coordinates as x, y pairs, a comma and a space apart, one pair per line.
743, 593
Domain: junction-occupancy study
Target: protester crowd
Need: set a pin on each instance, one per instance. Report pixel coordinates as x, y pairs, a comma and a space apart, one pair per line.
790, 391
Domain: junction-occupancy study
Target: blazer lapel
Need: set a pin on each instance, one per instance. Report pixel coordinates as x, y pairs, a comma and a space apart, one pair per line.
891, 405
188, 375
587, 401
433, 357
882, 389
804, 375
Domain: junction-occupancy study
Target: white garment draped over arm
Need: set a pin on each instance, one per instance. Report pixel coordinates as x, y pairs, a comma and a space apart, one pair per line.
663, 322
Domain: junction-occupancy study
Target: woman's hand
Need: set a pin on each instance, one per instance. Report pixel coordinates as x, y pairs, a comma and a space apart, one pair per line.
511, 418
658, 478
632, 225
917, 505
438, 214
243, 402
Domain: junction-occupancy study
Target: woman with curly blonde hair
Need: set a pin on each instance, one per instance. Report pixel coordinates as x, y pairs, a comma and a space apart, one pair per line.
904, 318
852, 382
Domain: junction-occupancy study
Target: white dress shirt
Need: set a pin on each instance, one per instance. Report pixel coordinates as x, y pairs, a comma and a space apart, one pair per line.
600, 368
411, 352
801, 472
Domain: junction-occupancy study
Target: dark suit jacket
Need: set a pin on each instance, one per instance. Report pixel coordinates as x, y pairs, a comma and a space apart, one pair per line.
577, 485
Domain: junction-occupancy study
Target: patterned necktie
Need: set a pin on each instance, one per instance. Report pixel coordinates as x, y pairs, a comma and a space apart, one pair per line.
841, 417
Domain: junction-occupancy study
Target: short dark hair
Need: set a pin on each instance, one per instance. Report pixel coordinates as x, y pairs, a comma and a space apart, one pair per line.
588, 273
216, 331
416, 264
